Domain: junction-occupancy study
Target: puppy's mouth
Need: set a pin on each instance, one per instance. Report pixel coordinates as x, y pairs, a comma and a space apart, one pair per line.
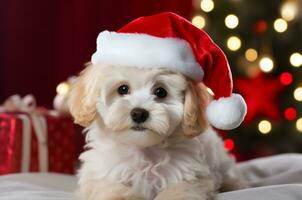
138, 128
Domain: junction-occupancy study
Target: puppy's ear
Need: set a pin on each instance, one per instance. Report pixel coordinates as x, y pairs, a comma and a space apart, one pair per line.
83, 95
194, 119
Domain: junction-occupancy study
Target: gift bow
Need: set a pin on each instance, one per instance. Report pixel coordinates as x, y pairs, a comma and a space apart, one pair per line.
17, 104
27, 105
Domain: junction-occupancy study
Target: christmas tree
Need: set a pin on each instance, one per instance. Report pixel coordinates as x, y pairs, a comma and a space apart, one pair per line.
262, 40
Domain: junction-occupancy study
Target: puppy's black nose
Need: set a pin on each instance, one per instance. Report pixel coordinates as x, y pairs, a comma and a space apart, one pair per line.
139, 115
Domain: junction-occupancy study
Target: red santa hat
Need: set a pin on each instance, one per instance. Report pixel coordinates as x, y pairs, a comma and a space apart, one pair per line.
167, 40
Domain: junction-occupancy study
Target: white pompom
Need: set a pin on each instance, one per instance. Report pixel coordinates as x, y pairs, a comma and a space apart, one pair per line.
227, 113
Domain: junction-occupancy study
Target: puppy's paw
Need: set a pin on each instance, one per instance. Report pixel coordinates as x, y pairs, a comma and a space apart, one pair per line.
188, 191
115, 196
184, 196
105, 189
123, 198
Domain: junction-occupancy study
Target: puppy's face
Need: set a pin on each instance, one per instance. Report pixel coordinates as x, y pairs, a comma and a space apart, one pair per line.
141, 107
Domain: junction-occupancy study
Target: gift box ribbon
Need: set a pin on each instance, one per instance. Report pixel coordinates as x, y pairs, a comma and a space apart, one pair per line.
27, 105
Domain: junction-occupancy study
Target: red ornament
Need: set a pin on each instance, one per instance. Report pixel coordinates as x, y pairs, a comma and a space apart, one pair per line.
286, 78
290, 113
260, 27
261, 94
229, 144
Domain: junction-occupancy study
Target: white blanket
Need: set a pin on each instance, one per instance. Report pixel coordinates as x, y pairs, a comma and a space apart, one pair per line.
272, 178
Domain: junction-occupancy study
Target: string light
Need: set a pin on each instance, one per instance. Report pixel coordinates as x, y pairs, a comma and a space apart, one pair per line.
207, 5
229, 144
231, 21
251, 54
266, 64
264, 127
298, 94
289, 10
234, 43
290, 113
286, 78
280, 25
199, 21
296, 59
299, 124
63, 88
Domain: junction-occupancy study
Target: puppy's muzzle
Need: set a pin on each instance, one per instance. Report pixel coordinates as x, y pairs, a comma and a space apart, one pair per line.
139, 115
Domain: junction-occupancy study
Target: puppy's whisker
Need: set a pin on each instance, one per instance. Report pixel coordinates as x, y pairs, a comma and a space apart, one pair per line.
159, 121
159, 126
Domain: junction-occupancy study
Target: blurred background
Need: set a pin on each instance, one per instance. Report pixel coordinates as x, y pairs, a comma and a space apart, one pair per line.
43, 43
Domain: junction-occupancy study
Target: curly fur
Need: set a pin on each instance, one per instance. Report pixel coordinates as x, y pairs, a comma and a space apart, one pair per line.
178, 156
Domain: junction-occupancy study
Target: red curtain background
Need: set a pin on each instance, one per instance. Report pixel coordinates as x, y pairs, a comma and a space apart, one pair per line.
43, 42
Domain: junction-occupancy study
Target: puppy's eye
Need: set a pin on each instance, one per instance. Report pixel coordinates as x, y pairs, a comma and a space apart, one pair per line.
123, 90
160, 92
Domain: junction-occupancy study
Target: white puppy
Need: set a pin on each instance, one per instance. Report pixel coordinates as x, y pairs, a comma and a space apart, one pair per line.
147, 137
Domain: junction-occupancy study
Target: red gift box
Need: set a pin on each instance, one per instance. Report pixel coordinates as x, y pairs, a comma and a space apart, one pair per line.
10, 144
62, 143
37, 141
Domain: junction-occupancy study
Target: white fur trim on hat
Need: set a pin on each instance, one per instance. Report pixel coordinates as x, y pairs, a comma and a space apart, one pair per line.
146, 51
226, 113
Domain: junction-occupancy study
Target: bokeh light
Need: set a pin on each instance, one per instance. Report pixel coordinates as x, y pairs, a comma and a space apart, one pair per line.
63, 88
280, 25
260, 27
266, 64
290, 113
286, 78
231, 21
299, 124
289, 10
199, 21
229, 144
298, 94
296, 59
210, 91
207, 5
251, 54
234, 43
264, 127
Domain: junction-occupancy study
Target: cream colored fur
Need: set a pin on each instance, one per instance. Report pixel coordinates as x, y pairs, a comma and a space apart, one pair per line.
177, 156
